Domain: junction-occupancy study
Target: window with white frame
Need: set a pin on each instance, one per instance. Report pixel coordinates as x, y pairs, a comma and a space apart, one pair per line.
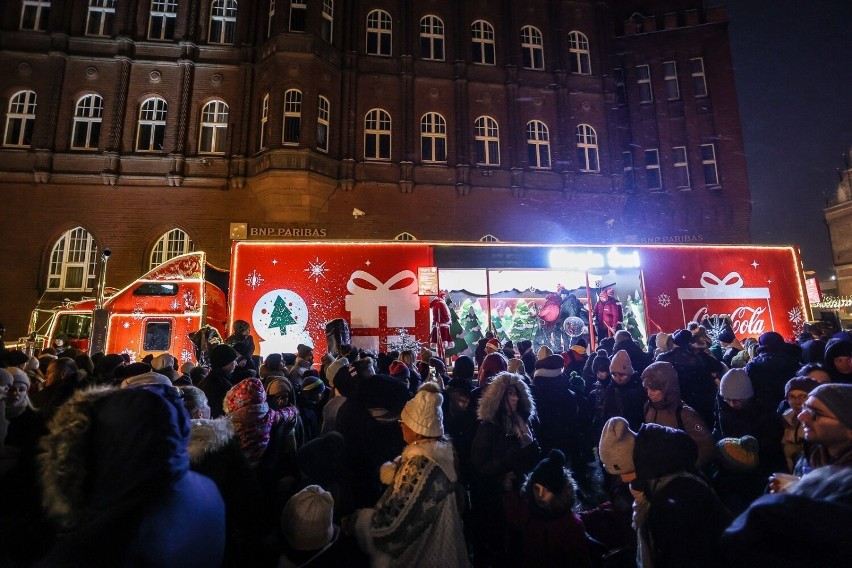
489, 238
538, 144
486, 135
161, 23
643, 79
652, 169
327, 29
73, 262
100, 17
264, 122
629, 172
482, 42
620, 87
581, 55
323, 122
432, 38
88, 114
587, 149
532, 48
292, 116
151, 130
214, 127
34, 15
298, 15
708, 163
270, 18
699, 83
377, 135
174, 243
670, 78
223, 21
379, 33
405, 236
433, 138
681, 167
20, 120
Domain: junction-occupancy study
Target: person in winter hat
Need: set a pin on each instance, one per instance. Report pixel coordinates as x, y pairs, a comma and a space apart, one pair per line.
310, 536
241, 337
616, 448
827, 420
558, 410
771, 368
551, 533
623, 395
492, 346
493, 364
663, 343
223, 361
796, 393
528, 355
416, 522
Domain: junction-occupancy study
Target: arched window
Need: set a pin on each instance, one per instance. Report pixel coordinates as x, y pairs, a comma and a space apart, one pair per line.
327, 30
587, 149
377, 135
88, 114
292, 116
151, 130
264, 122
72, 262
214, 128
379, 33
538, 144
34, 15
223, 21
581, 58
433, 138
172, 244
405, 236
432, 38
323, 123
487, 138
489, 238
100, 17
532, 46
161, 23
482, 42
20, 119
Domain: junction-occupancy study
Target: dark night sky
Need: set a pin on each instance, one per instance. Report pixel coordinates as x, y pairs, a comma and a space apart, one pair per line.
794, 81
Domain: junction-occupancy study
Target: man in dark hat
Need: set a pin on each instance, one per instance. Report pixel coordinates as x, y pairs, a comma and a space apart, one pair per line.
223, 360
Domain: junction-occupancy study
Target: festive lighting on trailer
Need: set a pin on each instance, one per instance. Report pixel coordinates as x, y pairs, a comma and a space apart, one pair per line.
591, 259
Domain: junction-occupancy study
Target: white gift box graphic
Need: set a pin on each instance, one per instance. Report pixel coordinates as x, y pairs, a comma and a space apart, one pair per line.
401, 299
728, 288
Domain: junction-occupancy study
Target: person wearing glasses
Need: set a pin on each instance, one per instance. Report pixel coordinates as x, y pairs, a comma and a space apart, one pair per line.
826, 417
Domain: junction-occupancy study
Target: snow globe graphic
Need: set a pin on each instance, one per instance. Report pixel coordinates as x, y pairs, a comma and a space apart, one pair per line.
280, 317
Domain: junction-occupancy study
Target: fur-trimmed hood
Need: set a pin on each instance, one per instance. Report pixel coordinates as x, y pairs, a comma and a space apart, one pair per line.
209, 436
438, 450
491, 402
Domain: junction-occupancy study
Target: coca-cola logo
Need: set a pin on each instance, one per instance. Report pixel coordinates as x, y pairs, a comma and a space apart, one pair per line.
744, 320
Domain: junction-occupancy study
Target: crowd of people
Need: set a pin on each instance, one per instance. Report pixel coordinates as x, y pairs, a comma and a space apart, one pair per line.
693, 451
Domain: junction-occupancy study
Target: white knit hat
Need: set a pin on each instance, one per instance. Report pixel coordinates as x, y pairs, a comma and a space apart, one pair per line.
620, 363
306, 521
616, 446
19, 376
423, 413
662, 340
162, 361
736, 385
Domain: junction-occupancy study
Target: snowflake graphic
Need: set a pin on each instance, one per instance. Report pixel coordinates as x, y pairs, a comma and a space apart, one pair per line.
175, 304
254, 279
138, 312
316, 270
795, 316
664, 300
186, 355
130, 353
189, 300
126, 325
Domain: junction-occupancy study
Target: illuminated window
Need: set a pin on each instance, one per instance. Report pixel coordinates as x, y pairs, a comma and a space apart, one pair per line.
172, 244
532, 47
377, 135
298, 15
482, 42
581, 56
643, 79
670, 78
699, 83
34, 15
292, 116
652, 169
433, 138
538, 145
681, 166
223, 21
487, 141
88, 115
489, 239
214, 128
151, 130
100, 17
432, 38
379, 33
20, 120
405, 237
327, 30
708, 162
161, 24
587, 149
323, 122
73, 262
264, 123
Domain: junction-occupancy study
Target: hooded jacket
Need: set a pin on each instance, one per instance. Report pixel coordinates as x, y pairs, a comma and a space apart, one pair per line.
557, 412
837, 348
115, 471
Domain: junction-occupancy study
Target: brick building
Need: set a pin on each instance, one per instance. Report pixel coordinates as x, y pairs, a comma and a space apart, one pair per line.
153, 126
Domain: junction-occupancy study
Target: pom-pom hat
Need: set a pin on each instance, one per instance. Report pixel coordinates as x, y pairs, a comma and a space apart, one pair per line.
550, 472
423, 413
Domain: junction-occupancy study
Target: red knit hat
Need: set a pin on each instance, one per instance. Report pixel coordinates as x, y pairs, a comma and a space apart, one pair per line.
492, 345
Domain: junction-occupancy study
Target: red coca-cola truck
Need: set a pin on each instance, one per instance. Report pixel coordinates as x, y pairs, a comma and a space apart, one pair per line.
288, 291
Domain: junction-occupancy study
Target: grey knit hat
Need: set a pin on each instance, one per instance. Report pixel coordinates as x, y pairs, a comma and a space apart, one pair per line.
616, 446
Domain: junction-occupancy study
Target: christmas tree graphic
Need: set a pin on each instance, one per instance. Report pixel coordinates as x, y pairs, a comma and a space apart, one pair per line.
281, 316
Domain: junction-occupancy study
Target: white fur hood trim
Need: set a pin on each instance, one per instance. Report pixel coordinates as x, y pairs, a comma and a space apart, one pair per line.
439, 451
208, 436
